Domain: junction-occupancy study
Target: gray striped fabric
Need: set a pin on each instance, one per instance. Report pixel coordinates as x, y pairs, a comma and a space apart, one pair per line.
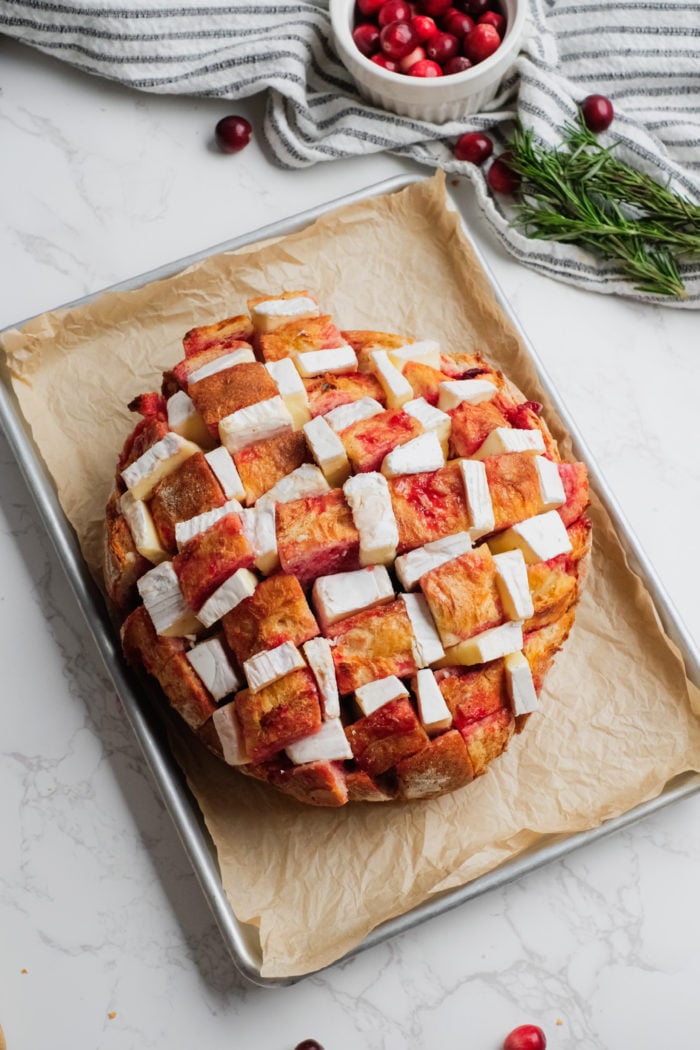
644, 55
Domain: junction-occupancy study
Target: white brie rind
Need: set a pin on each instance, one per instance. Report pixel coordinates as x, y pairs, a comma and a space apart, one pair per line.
231, 593
187, 530
165, 603
230, 736
345, 415
510, 439
489, 645
373, 515
328, 451
271, 313
473, 391
345, 593
431, 419
259, 529
338, 359
427, 647
291, 389
265, 419
306, 480
513, 585
424, 352
320, 659
226, 473
373, 695
243, 355
329, 744
185, 420
397, 388
433, 712
539, 538
478, 497
142, 528
411, 566
157, 462
270, 665
520, 684
417, 456
210, 661
551, 486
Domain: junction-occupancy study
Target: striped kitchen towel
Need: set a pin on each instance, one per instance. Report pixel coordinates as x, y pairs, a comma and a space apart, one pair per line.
643, 54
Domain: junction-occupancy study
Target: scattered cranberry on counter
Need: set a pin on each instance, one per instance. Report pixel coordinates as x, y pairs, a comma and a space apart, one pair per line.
598, 113
232, 134
526, 1037
308, 1044
503, 179
473, 147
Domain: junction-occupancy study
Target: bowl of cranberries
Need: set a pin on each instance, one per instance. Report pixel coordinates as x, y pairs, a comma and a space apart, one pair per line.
435, 60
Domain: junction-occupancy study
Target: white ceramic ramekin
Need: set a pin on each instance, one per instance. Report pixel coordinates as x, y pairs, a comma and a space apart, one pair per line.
436, 99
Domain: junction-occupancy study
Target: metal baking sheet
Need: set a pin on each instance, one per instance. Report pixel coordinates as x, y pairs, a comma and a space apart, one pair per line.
241, 939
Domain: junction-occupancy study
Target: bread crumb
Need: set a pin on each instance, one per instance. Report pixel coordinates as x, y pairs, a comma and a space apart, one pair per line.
559, 1020
112, 1014
454, 182
24, 970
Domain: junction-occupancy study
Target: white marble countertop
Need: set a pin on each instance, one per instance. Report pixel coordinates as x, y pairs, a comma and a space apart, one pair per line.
105, 939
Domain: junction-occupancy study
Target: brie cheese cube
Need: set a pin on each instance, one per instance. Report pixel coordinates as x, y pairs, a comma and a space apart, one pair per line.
427, 647
320, 659
157, 462
431, 419
489, 645
328, 451
265, 419
478, 497
539, 538
397, 388
259, 529
520, 684
271, 313
551, 485
346, 593
230, 736
474, 391
373, 515
373, 695
329, 744
425, 352
292, 390
339, 359
226, 473
417, 456
210, 660
187, 530
433, 712
270, 665
345, 415
306, 480
165, 604
513, 586
185, 420
510, 439
411, 566
243, 355
142, 529
230, 594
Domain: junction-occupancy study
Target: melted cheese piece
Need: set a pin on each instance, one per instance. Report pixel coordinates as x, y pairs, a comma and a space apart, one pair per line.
210, 660
433, 712
226, 473
345, 593
306, 480
265, 419
478, 497
339, 359
328, 451
520, 684
329, 744
411, 566
230, 736
425, 352
259, 529
551, 485
230, 594
271, 313
417, 456
397, 388
320, 659
165, 604
510, 439
185, 420
373, 695
431, 419
427, 647
373, 515
291, 389
474, 391
187, 530
142, 528
489, 645
539, 538
243, 355
345, 415
513, 585
157, 462
270, 665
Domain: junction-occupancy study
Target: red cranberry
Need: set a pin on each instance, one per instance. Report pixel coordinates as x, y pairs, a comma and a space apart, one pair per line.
525, 1037
458, 64
417, 55
308, 1044
424, 26
366, 37
435, 8
398, 38
475, 8
503, 179
369, 8
426, 68
393, 11
389, 64
232, 134
597, 113
442, 47
473, 147
492, 18
481, 42
457, 23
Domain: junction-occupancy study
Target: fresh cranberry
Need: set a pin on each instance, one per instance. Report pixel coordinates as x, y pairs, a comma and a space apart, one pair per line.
398, 38
426, 68
503, 179
458, 64
597, 112
389, 64
393, 11
442, 47
475, 8
481, 42
366, 37
457, 23
526, 1037
425, 26
308, 1044
492, 18
232, 134
435, 8
369, 8
473, 147
417, 55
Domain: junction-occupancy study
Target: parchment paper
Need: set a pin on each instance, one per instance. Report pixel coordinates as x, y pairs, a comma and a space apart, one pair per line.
618, 718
